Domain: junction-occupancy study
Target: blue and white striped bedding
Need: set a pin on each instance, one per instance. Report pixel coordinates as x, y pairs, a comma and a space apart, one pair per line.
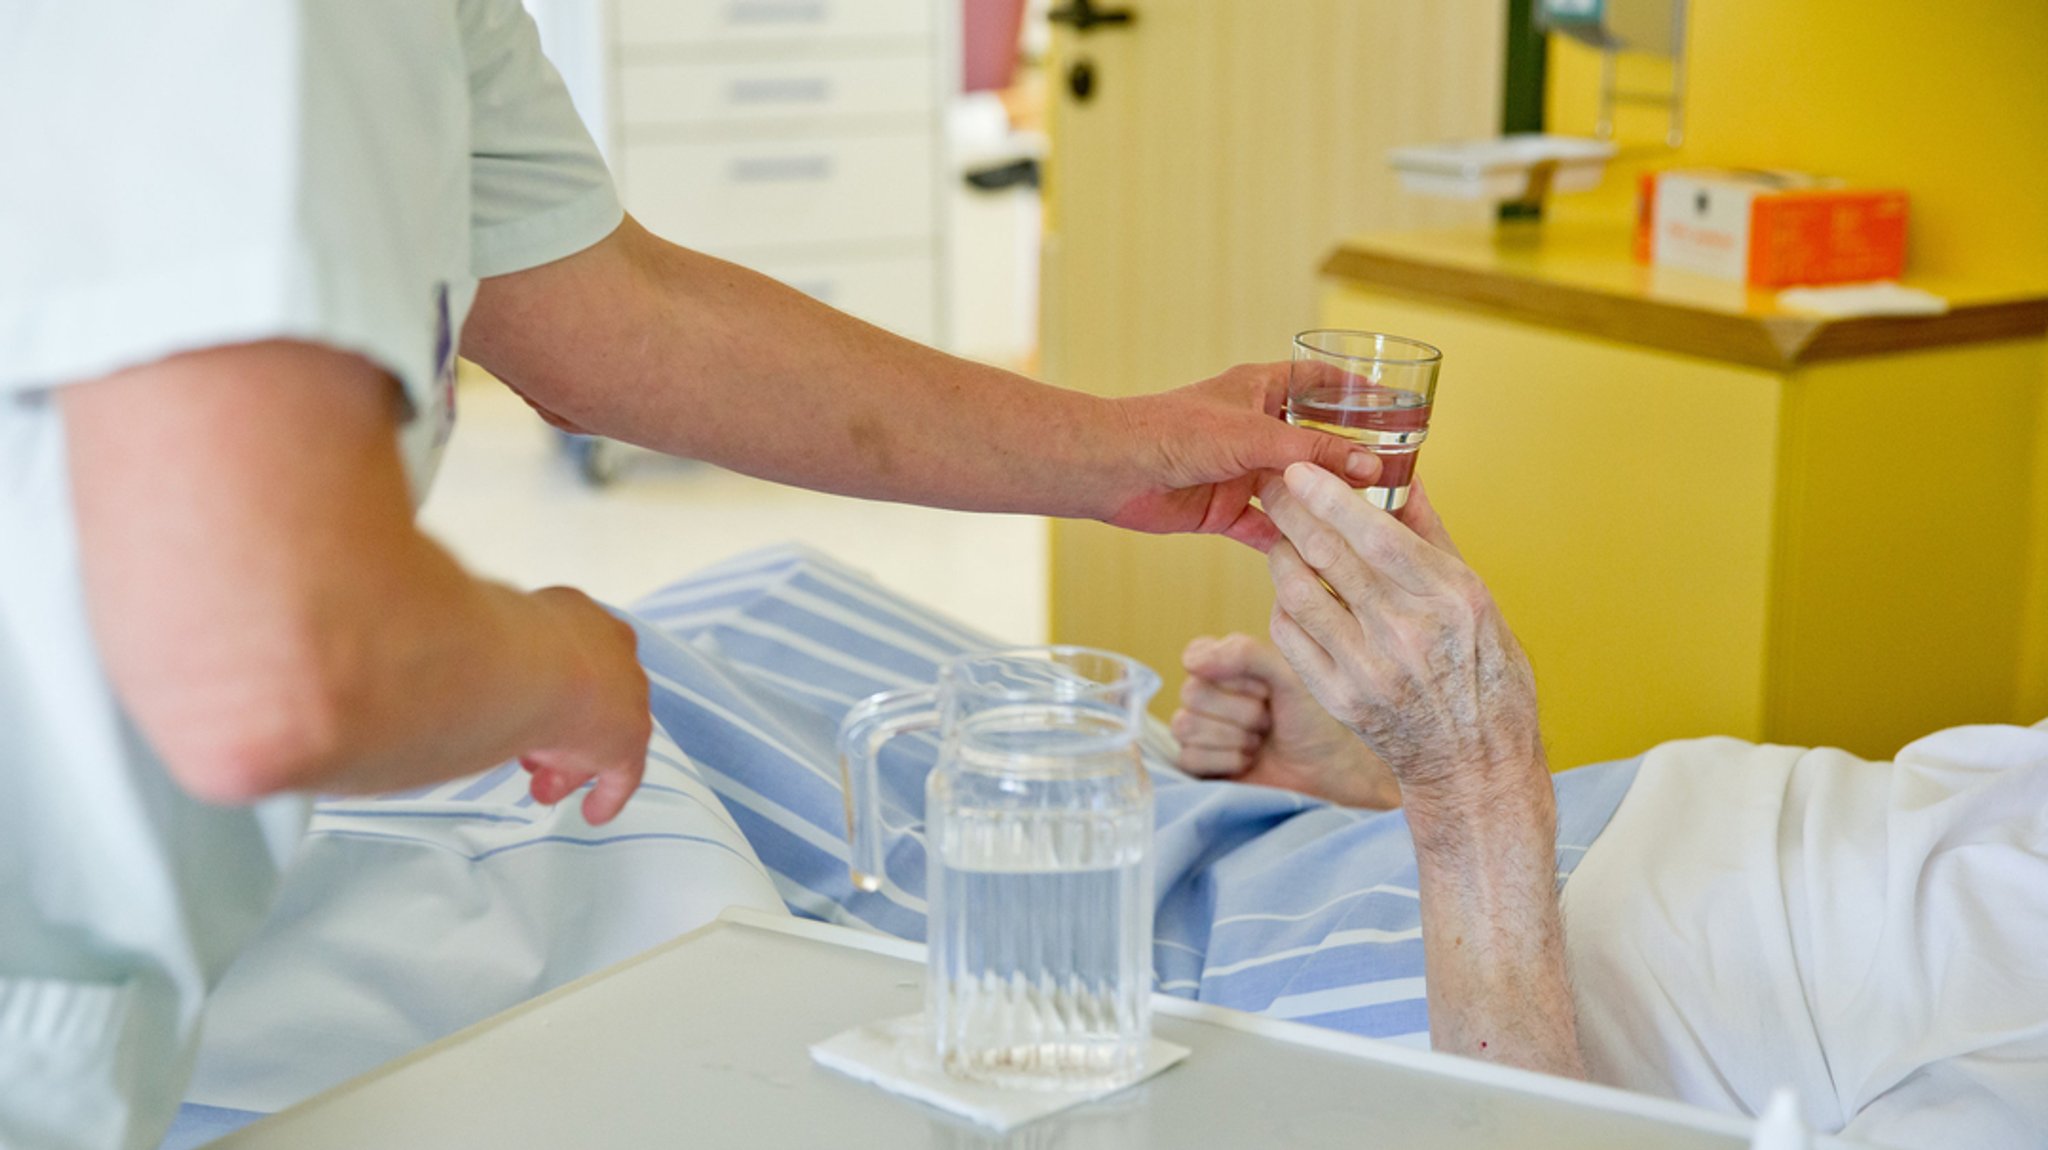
409, 916
1268, 901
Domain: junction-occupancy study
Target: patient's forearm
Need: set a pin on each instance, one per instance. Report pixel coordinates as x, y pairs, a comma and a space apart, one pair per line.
1492, 936
648, 342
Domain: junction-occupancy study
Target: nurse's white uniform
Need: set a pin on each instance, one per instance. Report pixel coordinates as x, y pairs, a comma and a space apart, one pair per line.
176, 177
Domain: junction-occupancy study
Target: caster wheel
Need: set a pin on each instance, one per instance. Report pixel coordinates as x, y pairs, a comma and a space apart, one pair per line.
599, 461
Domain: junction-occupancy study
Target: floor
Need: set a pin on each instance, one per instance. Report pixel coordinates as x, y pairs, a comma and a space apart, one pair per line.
509, 503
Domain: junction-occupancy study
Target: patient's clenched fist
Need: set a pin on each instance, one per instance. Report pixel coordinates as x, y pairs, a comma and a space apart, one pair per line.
1400, 640
1247, 717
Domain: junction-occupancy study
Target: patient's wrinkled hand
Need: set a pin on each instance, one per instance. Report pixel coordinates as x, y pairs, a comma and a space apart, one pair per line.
1400, 640
1246, 716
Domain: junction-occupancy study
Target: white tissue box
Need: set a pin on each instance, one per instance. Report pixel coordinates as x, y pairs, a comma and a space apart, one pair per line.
1499, 169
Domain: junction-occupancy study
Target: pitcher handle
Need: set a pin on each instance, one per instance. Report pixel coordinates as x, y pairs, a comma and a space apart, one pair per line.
872, 722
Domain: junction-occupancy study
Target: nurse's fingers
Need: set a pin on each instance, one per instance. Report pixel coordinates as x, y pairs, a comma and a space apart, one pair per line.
1253, 529
1250, 526
550, 785
609, 796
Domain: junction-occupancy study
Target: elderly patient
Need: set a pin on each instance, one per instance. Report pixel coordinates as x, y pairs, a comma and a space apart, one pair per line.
1361, 835
1874, 934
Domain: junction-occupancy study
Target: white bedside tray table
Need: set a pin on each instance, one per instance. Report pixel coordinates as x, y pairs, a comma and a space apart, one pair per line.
703, 1042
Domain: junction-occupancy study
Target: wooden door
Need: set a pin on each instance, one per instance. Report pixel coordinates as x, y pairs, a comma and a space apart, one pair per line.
1222, 150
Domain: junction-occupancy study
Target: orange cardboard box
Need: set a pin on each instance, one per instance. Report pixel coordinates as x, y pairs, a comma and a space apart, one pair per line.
1770, 229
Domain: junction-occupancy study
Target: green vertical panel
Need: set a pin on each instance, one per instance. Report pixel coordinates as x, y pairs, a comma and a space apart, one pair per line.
1521, 102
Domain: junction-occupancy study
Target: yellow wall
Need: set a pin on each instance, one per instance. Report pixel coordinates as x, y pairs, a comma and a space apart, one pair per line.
2033, 683
1949, 101
1901, 547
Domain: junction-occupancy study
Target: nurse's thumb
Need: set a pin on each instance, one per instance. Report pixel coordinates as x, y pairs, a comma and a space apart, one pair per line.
1340, 457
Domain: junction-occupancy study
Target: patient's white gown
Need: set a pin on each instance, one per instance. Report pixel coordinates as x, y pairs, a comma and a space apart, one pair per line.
1873, 934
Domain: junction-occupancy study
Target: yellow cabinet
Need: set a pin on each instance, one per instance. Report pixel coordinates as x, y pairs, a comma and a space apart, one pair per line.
1705, 516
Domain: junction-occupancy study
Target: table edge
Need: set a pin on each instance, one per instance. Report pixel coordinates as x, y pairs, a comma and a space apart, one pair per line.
1778, 343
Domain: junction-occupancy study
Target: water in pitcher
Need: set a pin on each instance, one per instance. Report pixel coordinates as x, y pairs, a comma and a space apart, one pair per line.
1041, 901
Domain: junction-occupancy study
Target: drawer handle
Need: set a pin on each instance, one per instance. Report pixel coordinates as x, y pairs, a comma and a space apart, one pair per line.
781, 169
757, 12
780, 90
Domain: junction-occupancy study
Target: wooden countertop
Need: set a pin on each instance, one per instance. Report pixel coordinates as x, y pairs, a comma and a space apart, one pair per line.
1580, 277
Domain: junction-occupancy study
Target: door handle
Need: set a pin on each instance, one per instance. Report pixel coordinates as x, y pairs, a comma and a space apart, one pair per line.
1085, 16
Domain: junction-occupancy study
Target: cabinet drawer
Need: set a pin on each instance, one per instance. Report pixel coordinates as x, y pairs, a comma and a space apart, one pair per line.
685, 23
659, 94
899, 293
722, 196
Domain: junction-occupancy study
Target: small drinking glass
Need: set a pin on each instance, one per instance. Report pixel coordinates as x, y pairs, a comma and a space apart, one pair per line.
1375, 390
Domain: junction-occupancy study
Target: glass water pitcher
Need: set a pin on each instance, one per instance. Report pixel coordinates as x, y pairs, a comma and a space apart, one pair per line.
1038, 835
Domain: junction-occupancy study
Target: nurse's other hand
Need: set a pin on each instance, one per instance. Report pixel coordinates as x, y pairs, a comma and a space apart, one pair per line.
601, 723
1201, 452
1246, 716
1400, 640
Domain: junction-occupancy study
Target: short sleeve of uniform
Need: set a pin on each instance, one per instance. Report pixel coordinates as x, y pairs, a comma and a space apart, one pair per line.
180, 176
183, 176
539, 189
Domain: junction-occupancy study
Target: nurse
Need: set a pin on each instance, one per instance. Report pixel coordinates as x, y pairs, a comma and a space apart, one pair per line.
241, 243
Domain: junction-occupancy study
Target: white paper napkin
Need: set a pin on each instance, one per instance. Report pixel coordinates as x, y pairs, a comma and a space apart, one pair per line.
883, 1053
1845, 300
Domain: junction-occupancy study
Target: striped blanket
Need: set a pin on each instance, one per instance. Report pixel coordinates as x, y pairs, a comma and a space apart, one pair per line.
1267, 901
407, 917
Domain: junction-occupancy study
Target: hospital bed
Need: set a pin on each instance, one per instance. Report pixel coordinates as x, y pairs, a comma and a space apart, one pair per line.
410, 917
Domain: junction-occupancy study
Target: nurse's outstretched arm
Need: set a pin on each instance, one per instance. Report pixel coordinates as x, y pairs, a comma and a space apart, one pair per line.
643, 341
1397, 638
272, 619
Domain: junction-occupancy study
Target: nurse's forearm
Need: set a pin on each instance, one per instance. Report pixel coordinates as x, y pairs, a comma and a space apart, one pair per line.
1493, 939
264, 606
690, 355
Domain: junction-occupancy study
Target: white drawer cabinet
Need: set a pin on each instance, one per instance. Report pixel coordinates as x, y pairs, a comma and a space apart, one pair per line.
799, 137
725, 196
658, 23
807, 94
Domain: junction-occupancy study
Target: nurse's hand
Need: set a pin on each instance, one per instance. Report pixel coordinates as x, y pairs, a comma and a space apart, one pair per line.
601, 724
1402, 642
1202, 451
1246, 716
